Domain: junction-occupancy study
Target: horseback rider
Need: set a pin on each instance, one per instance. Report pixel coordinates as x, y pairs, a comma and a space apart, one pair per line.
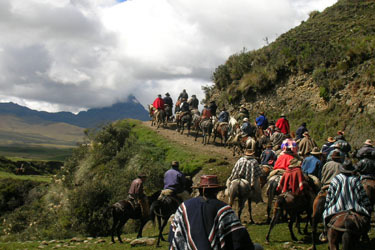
168, 101
193, 102
366, 166
299, 132
244, 113
205, 222
331, 169
336, 148
340, 139
213, 108
247, 167
283, 124
183, 109
136, 197
247, 129
174, 183
290, 143
326, 148
277, 139
366, 150
158, 104
306, 145
346, 193
268, 156
261, 121
183, 94
206, 113
223, 117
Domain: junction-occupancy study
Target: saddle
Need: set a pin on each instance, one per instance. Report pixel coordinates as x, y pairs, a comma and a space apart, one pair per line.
361, 222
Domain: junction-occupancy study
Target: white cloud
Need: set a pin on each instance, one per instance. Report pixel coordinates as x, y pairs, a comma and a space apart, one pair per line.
71, 54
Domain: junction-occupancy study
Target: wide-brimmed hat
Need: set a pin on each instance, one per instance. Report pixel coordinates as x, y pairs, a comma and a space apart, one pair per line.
368, 142
208, 182
269, 145
306, 133
167, 94
340, 132
282, 115
294, 163
261, 113
347, 167
331, 139
315, 151
175, 164
249, 152
245, 119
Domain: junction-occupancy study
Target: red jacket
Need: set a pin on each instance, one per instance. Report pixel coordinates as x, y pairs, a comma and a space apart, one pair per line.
283, 125
206, 113
158, 103
283, 161
292, 180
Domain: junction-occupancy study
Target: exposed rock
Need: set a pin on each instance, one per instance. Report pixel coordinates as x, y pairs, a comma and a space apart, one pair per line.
143, 242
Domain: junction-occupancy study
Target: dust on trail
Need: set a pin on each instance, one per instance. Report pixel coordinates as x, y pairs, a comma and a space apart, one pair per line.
217, 149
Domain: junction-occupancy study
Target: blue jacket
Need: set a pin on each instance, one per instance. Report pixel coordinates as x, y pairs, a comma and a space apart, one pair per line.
223, 116
312, 165
174, 180
262, 122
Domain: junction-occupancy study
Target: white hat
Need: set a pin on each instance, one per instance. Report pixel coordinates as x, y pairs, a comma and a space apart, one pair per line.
245, 119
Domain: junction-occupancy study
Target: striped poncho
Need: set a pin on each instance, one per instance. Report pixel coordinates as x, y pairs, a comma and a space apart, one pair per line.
346, 193
207, 224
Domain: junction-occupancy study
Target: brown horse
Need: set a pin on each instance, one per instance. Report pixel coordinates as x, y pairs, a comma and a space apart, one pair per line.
369, 186
222, 132
294, 205
317, 214
347, 227
123, 210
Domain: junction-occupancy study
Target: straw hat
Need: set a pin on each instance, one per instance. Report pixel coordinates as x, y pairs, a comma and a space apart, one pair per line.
306, 134
175, 164
209, 181
245, 119
368, 142
315, 151
331, 139
249, 152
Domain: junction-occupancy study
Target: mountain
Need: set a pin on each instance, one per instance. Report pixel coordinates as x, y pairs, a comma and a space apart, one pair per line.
84, 119
321, 72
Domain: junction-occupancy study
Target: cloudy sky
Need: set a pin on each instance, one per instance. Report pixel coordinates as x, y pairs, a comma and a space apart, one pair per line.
76, 54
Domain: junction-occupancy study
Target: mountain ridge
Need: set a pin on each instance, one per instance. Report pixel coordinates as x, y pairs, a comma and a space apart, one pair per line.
84, 119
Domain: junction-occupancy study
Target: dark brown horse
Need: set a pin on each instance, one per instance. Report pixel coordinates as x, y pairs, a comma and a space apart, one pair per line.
347, 227
294, 205
317, 214
369, 186
183, 119
123, 210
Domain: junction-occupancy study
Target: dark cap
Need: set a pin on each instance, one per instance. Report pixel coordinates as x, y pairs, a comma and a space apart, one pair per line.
175, 164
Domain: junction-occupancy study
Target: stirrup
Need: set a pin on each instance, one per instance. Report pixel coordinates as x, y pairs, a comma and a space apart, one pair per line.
323, 238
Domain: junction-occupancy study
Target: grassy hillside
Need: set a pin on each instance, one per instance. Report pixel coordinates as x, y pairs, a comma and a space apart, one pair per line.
15, 130
322, 69
97, 175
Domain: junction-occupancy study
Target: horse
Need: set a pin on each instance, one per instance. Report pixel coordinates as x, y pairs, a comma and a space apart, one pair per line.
347, 226
168, 113
272, 184
294, 205
157, 116
123, 210
369, 186
222, 131
317, 214
182, 120
240, 188
247, 142
196, 120
162, 210
206, 127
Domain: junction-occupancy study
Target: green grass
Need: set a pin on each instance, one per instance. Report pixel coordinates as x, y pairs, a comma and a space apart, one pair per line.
37, 178
25, 152
191, 160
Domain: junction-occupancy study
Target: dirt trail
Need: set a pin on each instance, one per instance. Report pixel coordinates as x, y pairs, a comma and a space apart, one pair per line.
171, 134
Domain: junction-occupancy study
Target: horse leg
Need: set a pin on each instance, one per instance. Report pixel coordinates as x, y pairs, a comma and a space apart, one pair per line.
143, 223
290, 226
161, 228
333, 239
271, 194
347, 241
251, 215
274, 220
115, 222
119, 228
